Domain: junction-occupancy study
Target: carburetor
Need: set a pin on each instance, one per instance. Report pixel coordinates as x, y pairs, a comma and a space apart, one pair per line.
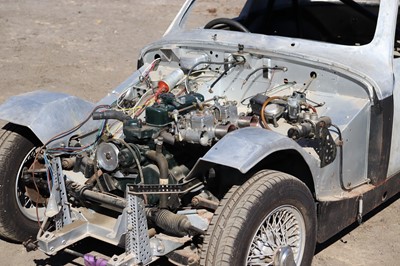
214, 122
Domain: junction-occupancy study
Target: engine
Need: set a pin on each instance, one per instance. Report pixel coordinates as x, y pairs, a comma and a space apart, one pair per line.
158, 127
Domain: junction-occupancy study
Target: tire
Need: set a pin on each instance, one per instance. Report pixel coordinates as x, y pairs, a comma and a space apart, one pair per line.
18, 219
243, 214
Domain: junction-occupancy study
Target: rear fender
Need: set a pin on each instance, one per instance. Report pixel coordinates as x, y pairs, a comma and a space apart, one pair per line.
47, 114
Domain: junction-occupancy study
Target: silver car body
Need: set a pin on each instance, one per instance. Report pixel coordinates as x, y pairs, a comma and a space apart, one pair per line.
351, 81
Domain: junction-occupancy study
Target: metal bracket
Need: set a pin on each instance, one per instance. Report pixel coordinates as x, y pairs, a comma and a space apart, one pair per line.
326, 148
60, 194
137, 242
140, 189
137, 238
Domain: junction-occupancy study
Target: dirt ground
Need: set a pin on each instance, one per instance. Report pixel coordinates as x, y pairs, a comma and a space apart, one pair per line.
86, 48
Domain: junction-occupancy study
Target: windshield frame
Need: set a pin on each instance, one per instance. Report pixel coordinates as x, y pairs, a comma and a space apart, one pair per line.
180, 21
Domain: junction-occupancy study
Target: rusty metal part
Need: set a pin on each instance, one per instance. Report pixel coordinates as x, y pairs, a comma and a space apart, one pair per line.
94, 177
184, 257
222, 130
109, 201
247, 121
206, 215
36, 170
198, 201
68, 163
152, 232
30, 245
34, 195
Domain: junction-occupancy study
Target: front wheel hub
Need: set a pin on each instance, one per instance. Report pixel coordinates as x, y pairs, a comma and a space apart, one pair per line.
284, 257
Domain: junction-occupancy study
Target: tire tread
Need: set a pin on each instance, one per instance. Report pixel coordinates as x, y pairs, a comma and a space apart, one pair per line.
10, 141
229, 218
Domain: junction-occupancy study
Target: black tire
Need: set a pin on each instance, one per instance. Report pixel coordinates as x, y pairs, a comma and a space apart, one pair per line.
243, 211
15, 150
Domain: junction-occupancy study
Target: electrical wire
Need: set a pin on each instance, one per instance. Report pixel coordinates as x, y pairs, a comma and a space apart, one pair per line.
146, 103
49, 173
187, 85
281, 87
150, 68
309, 106
37, 200
72, 130
143, 76
339, 132
78, 150
32, 168
220, 76
284, 69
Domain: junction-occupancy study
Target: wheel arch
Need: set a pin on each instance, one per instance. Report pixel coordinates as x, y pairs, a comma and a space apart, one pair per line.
250, 150
290, 162
22, 130
47, 113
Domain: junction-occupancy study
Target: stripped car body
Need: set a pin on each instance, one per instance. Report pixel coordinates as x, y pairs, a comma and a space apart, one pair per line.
210, 114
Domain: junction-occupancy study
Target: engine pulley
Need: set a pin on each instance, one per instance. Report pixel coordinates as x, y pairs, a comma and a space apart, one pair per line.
107, 156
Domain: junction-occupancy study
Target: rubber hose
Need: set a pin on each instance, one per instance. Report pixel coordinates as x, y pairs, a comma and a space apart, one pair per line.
162, 164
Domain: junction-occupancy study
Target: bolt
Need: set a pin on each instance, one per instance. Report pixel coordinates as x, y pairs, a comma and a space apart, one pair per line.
160, 248
195, 201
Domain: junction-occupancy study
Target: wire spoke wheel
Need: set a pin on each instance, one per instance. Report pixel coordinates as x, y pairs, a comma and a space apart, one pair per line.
283, 227
270, 219
29, 201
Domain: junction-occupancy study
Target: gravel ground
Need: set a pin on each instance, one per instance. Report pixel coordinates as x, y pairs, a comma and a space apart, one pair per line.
85, 48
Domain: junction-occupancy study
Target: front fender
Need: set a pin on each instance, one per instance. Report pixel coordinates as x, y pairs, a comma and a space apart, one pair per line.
244, 148
47, 113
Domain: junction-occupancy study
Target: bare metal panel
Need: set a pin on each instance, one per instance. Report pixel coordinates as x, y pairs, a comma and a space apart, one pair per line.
47, 113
